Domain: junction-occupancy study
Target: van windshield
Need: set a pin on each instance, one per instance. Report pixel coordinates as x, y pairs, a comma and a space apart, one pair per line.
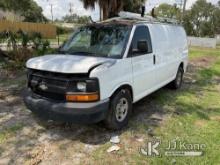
99, 41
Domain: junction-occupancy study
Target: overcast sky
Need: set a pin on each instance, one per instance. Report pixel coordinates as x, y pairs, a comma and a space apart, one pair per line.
61, 7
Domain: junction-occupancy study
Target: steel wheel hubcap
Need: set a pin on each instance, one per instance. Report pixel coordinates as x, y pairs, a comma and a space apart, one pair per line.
121, 109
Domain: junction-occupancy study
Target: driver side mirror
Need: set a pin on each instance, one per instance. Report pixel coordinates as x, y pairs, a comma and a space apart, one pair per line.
142, 46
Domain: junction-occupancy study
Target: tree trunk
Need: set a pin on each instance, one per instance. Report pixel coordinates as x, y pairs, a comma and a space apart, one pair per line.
105, 11
110, 9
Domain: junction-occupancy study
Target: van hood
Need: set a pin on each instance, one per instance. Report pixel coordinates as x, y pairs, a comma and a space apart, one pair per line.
66, 63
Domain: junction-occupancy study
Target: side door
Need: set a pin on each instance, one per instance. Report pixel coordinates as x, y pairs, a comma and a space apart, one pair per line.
143, 63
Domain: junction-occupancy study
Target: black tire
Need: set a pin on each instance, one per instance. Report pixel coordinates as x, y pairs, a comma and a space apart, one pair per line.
112, 119
177, 83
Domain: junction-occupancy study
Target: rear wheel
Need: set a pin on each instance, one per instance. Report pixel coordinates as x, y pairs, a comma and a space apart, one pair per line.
177, 83
120, 110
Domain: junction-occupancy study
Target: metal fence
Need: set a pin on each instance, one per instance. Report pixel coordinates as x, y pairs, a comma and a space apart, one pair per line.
46, 30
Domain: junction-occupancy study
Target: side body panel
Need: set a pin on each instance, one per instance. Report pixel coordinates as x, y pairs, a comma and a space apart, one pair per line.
170, 48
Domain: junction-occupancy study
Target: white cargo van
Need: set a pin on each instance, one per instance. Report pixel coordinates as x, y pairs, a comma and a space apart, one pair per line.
104, 68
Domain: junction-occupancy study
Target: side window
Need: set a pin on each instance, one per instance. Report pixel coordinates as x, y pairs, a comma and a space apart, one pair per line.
141, 34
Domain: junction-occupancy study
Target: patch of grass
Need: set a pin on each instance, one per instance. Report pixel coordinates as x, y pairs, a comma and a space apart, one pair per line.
196, 52
9, 132
210, 72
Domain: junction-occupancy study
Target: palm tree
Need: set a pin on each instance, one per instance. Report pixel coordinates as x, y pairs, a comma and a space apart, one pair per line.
110, 8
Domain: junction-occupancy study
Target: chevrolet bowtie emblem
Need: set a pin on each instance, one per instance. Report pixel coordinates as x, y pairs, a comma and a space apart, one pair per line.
43, 86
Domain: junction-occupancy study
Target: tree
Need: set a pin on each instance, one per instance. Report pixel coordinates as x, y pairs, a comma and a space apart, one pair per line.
168, 11
187, 23
70, 18
33, 13
83, 20
216, 19
74, 18
203, 19
27, 8
111, 8
133, 5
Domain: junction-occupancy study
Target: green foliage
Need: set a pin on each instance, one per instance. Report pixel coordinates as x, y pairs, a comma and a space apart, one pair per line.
27, 8
19, 54
39, 45
133, 5
203, 20
2, 37
83, 20
74, 18
36, 38
168, 11
12, 40
45, 45
24, 38
63, 30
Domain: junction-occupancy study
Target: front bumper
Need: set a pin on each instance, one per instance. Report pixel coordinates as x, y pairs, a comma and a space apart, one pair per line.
67, 112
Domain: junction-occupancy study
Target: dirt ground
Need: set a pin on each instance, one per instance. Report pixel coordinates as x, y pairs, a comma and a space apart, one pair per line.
25, 139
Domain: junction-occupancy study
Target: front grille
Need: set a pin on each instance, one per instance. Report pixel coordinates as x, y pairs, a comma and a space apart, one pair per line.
53, 85
50, 95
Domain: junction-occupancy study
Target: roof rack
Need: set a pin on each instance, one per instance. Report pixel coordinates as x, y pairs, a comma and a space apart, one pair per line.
137, 17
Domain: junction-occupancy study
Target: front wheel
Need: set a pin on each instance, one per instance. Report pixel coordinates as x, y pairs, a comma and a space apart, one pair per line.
177, 83
120, 110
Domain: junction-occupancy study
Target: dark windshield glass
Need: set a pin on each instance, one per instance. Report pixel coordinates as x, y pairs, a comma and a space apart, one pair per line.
102, 41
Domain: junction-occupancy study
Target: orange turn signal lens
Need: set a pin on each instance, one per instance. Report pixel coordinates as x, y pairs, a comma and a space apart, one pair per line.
82, 97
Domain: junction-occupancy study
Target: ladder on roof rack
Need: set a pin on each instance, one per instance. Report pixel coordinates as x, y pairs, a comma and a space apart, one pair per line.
135, 16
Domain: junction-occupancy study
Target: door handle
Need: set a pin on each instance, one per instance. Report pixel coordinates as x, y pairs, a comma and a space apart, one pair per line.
154, 59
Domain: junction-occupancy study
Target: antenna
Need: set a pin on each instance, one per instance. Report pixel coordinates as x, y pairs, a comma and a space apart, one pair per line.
71, 8
51, 10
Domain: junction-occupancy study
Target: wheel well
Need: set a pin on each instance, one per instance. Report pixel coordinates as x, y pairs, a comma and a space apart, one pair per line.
126, 86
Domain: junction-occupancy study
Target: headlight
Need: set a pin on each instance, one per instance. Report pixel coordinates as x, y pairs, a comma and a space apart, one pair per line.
83, 91
81, 86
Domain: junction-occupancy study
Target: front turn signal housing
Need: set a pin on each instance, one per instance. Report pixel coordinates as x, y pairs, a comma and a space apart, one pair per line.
88, 97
